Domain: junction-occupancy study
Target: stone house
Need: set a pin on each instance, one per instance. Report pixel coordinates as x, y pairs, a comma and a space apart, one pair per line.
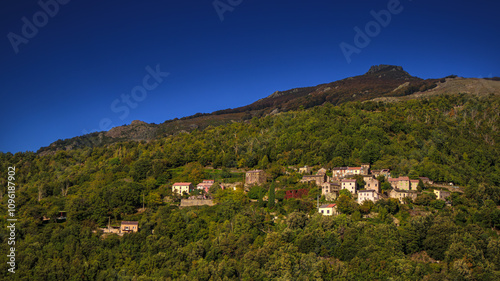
129, 226
305, 170
317, 179
322, 171
442, 195
426, 180
384, 172
370, 195
372, 184
328, 209
181, 187
350, 185
330, 190
401, 194
365, 169
255, 177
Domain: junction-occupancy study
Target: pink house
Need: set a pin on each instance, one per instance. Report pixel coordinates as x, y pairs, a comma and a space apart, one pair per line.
205, 185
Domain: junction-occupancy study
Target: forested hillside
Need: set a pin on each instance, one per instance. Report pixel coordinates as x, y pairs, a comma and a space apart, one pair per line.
450, 138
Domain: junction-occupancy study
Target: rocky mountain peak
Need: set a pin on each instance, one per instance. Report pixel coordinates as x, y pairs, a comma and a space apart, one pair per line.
384, 67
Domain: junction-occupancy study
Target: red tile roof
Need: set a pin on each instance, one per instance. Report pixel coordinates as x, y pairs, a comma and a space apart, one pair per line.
181, 183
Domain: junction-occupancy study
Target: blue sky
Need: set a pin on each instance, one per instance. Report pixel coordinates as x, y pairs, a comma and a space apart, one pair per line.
69, 76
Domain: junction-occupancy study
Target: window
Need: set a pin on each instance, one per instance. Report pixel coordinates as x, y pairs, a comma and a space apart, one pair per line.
327, 211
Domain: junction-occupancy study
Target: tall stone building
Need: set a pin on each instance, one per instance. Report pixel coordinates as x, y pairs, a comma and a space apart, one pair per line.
255, 177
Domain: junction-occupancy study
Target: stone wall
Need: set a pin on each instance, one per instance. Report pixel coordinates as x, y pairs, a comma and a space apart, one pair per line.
196, 202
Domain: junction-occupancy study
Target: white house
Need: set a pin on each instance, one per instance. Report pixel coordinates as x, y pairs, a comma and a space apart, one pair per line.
328, 209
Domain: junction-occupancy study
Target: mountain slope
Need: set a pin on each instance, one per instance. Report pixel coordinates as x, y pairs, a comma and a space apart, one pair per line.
380, 83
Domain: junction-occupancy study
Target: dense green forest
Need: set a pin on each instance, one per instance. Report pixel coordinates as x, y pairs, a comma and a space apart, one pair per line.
451, 138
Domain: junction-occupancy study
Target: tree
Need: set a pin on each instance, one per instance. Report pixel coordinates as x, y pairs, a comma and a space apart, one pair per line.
346, 205
420, 185
214, 188
264, 162
271, 197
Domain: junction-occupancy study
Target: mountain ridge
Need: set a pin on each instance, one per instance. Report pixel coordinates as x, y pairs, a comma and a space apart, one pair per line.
381, 83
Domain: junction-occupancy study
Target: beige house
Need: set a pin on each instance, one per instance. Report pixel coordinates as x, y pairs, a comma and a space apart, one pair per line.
370, 195
328, 209
371, 183
442, 195
255, 177
402, 183
401, 194
129, 226
305, 170
321, 171
181, 187
349, 184
413, 184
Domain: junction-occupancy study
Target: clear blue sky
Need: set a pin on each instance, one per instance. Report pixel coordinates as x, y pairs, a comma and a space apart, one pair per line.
64, 79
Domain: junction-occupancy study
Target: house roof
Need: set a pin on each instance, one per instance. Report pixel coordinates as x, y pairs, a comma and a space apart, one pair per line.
370, 190
205, 184
328, 206
413, 180
181, 183
348, 180
354, 168
313, 176
130, 222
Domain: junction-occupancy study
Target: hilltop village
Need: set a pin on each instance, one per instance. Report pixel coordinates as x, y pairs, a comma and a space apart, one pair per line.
358, 183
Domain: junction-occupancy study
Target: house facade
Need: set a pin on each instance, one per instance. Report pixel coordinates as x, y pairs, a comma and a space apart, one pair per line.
350, 185
181, 187
384, 172
413, 184
205, 185
129, 226
401, 194
322, 171
330, 190
305, 170
328, 209
402, 183
372, 184
441, 195
255, 177
317, 179
367, 195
